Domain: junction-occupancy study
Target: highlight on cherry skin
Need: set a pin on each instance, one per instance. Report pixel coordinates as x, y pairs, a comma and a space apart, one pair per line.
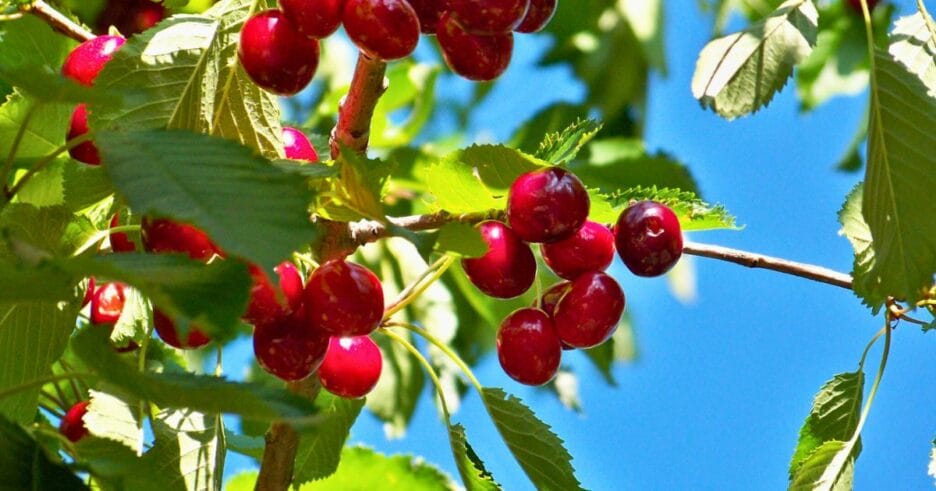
107, 303
275, 56
528, 348
297, 147
343, 299
547, 205
286, 348
352, 366
315, 19
382, 29
591, 248
86, 60
648, 238
588, 314
507, 269
72, 425
477, 57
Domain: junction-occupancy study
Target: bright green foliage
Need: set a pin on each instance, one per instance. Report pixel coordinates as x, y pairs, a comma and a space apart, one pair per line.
828, 468
191, 444
473, 474
537, 449
319, 452
134, 319
46, 130
913, 45
693, 213
462, 239
856, 230
621, 163
115, 418
560, 148
362, 469
24, 464
738, 74
361, 188
115, 467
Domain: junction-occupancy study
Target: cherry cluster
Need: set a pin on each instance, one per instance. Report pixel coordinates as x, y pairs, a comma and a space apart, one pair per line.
550, 207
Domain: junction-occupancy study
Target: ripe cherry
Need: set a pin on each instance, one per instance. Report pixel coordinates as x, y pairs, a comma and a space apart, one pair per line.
547, 205
352, 366
528, 348
856, 5
85, 152
167, 332
589, 312
589, 249
164, 236
489, 16
475, 57
648, 238
72, 425
120, 241
429, 13
297, 146
382, 29
313, 18
107, 303
264, 307
539, 14
550, 298
344, 299
287, 348
147, 15
86, 61
507, 269
276, 57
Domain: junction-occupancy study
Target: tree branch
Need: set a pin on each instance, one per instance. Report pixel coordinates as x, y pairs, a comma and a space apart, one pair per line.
282, 442
58, 21
357, 107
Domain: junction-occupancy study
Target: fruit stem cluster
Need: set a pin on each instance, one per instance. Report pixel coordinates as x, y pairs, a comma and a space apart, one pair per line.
58, 21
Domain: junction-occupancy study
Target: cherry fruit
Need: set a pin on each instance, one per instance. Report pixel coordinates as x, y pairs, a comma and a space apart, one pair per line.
276, 57
164, 236
550, 298
352, 366
343, 299
507, 269
72, 425
489, 16
589, 312
383, 29
539, 14
107, 303
429, 13
85, 152
313, 18
86, 61
547, 205
856, 5
264, 307
589, 249
288, 349
475, 57
120, 241
528, 348
167, 332
648, 238
297, 146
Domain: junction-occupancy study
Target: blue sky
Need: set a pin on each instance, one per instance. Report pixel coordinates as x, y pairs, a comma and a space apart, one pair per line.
722, 385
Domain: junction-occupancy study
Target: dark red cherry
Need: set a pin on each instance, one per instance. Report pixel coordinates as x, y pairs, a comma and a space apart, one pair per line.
264, 307
297, 146
72, 424
164, 236
146, 16
107, 303
429, 13
547, 205
382, 29
489, 16
539, 14
648, 238
589, 249
89, 292
86, 61
475, 57
85, 152
507, 269
548, 301
120, 241
288, 349
344, 299
528, 347
589, 312
276, 57
167, 332
352, 366
313, 18
856, 5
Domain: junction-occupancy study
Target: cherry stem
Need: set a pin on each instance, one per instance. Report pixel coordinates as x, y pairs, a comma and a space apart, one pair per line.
57, 20
442, 346
418, 287
282, 442
426, 365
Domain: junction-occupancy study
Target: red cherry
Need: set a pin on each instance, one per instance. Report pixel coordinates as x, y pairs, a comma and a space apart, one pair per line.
72, 424
429, 13
856, 5
507, 269
313, 18
548, 301
107, 303
539, 14
167, 332
528, 348
276, 57
147, 15
85, 152
86, 61
475, 57
589, 312
648, 238
164, 236
344, 299
89, 292
352, 366
547, 205
489, 16
383, 29
297, 146
120, 241
288, 349
589, 249
264, 308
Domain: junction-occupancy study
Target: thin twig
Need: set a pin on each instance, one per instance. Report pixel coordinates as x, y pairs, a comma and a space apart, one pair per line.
282, 442
357, 107
58, 21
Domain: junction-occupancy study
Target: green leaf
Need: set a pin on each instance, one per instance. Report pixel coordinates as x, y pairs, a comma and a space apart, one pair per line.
191, 444
363, 183
115, 467
537, 449
913, 45
187, 69
898, 203
134, 319
553, 119
25, 465
456, 189
462, 239
363, 469
738, 74
85, 185
22, 284
562, 147
472, 471
201, 393
856, 230
828, 468
45, 132
693, 213
249, 207
114, 418
621, 163
320, 451
28, 42
833, 417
